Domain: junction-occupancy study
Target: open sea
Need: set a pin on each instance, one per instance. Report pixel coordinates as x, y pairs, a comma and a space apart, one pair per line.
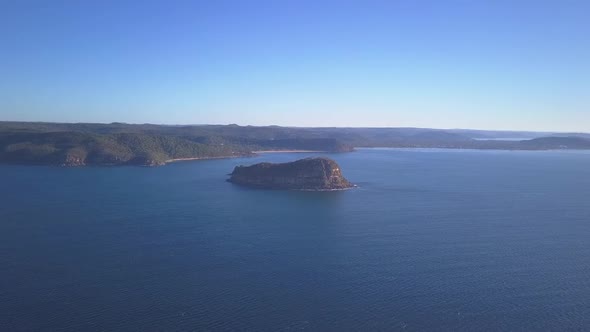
431, 240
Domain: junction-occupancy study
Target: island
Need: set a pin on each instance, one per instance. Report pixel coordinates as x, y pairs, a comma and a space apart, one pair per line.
309, 174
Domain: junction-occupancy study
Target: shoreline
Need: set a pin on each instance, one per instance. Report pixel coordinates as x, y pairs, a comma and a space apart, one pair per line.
201, 158
287, 151
243, 155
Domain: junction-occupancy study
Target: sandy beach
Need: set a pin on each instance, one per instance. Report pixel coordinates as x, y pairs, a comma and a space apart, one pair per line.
200, 158
288, 151
236, 156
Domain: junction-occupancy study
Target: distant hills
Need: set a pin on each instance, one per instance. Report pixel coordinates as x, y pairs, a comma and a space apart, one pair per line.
77, 144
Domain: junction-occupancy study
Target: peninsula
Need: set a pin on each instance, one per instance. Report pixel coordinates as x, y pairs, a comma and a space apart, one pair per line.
312, 174
80, 144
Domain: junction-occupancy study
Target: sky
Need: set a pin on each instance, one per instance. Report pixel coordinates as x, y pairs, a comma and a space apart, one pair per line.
510, 65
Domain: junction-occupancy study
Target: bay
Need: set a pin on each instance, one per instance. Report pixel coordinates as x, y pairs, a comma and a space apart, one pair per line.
429, 240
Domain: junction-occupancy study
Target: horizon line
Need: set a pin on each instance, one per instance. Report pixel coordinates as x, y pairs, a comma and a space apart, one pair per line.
302, 127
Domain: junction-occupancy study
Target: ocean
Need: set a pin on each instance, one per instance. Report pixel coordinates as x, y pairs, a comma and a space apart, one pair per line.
430, 240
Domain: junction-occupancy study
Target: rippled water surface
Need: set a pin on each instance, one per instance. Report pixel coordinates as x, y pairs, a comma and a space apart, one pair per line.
431, 240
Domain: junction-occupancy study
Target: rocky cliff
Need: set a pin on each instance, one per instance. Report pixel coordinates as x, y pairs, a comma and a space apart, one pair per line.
317, 174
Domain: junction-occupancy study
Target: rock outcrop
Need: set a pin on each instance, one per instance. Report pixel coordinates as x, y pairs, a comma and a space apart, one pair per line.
314, 174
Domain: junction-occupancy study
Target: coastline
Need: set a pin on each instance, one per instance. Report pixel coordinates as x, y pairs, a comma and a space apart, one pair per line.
201, 158
242, 155
287, 151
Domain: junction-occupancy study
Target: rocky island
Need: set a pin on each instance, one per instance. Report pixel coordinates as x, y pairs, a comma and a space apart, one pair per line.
313, 174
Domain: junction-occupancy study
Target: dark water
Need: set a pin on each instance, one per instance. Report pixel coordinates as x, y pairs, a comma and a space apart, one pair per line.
432, 240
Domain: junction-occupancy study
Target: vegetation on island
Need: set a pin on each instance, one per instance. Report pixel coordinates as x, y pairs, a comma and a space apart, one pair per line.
310, 174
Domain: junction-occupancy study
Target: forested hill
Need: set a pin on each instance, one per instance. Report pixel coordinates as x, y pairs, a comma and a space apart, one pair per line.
146, 144
116, 144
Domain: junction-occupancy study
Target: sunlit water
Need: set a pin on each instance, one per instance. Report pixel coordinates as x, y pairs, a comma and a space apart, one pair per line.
430, 240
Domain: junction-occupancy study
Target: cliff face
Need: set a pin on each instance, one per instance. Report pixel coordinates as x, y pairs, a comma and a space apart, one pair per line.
306, 174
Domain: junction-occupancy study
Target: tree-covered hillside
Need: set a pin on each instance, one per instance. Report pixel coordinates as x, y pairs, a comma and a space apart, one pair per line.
147, 144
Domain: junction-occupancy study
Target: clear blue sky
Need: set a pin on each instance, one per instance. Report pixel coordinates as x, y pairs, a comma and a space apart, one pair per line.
495, 64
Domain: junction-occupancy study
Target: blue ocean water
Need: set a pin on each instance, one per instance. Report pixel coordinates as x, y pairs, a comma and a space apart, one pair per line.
430, 240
